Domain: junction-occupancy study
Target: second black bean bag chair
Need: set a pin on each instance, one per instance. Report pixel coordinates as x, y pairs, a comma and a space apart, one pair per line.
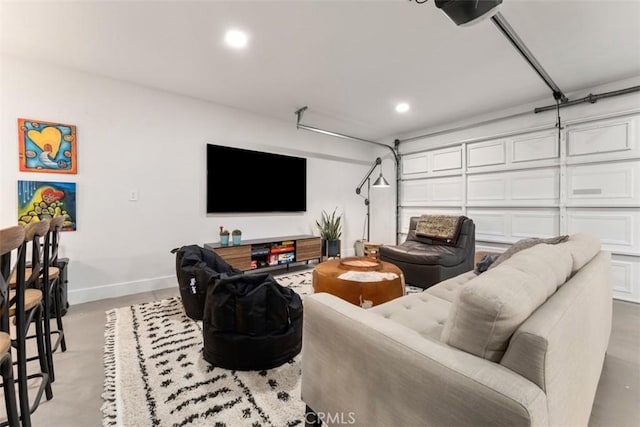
251, 322
195, 267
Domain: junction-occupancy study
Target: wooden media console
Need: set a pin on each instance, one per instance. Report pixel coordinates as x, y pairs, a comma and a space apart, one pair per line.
261, 253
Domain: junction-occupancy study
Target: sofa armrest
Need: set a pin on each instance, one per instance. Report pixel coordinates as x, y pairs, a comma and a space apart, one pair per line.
361, 368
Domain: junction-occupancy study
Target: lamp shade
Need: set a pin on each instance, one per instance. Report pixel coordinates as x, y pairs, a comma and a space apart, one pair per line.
381, 182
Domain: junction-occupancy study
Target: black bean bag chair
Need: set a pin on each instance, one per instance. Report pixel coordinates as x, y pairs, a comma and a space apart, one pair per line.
251, 322
195, 266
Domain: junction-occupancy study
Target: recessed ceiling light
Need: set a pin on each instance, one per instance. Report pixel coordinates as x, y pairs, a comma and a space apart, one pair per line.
402, 107
236, 39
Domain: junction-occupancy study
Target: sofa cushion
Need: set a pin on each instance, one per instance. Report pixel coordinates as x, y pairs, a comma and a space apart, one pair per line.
448, 289
582, 247
422, 312
488, 310
549, 263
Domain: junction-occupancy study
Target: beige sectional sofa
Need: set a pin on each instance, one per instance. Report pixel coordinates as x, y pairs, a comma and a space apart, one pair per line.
521, 344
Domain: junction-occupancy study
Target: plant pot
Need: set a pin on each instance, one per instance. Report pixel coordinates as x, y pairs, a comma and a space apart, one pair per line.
237, 239
224, 239
331, 248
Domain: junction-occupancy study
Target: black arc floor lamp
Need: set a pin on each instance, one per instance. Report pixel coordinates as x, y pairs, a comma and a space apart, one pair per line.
380, 182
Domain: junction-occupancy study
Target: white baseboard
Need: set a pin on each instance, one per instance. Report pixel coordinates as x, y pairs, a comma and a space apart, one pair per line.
78, 296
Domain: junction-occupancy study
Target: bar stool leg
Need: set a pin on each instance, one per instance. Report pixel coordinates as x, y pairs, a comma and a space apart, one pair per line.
58, 309
43, 358
9, 391
47, 335
23, 389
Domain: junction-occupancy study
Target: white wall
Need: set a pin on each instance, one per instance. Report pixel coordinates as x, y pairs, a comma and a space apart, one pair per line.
383, 200
132, 137
521, 178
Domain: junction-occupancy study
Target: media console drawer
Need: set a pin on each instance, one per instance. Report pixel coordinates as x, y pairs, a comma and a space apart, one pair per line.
237, 256
307, 249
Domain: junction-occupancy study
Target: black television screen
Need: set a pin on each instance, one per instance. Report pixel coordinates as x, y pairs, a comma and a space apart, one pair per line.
241, 181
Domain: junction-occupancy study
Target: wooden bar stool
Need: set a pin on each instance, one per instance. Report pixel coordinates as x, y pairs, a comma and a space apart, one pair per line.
11, 240
26, 308
50, 282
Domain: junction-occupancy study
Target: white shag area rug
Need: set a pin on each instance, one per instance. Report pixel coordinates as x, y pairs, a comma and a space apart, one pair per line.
155, 374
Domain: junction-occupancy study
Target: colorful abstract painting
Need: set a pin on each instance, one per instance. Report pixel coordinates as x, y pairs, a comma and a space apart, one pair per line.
39, 200
47, 147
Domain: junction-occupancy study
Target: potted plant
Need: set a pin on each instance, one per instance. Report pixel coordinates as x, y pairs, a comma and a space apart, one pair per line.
224, 236
330, 227
236, 235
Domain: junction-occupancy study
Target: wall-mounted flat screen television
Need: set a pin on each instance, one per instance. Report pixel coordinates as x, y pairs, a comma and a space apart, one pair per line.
246, 181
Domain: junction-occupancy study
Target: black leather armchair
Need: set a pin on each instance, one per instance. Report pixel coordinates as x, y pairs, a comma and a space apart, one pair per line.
425, 261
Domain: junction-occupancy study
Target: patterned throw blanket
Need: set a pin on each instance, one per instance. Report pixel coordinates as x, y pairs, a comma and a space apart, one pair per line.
445, 228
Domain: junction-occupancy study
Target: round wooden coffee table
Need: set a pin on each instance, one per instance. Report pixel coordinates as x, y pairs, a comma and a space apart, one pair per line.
362, 281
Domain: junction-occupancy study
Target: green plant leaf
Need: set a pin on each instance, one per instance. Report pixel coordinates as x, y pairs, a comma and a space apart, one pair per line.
330, 226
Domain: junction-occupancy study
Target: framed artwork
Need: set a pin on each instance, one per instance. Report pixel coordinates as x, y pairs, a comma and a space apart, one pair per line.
39, 200
47, 147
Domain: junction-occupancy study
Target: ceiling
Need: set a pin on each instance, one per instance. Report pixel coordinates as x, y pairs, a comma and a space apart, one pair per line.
350, 62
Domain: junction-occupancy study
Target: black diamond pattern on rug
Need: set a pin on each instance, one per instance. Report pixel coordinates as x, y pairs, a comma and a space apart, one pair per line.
155, 374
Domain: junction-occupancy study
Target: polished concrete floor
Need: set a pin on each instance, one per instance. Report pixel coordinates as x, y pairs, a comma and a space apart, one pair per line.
79, 371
